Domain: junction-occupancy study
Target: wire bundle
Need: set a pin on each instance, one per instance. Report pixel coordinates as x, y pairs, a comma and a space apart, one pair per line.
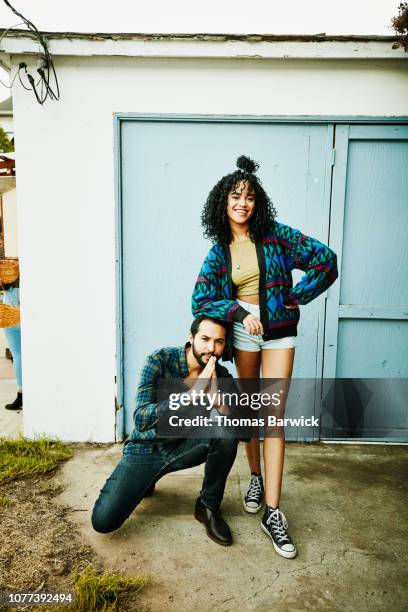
42, 88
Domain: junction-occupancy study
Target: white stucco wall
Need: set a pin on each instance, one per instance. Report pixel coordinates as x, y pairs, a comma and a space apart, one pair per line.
10, 223
66, 202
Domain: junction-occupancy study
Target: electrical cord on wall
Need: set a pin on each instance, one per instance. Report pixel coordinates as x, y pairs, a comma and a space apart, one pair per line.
45, 70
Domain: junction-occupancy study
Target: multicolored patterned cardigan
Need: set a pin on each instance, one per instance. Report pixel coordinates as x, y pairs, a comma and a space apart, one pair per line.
281, 250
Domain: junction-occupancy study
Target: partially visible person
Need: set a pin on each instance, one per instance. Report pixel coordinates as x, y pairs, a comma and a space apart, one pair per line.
11, 296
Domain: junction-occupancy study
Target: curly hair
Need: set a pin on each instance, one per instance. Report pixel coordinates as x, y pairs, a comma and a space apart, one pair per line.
214, 218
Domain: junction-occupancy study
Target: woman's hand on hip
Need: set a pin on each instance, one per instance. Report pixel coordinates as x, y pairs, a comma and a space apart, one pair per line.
252, 325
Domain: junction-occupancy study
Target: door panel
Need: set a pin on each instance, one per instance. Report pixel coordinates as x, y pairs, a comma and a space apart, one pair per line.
367, 314
375, 245
377, 347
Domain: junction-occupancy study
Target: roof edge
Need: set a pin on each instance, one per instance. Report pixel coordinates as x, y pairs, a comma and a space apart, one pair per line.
200, 36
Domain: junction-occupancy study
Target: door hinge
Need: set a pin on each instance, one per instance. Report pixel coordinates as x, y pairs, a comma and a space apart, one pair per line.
333, 161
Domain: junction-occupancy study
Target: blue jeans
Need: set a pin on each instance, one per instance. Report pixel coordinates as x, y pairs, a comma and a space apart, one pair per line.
136, 472
13, 334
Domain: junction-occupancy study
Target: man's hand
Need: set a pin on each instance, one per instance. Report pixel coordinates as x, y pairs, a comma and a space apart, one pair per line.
203, 380
252, 325
209, 368
290, 307
213, 390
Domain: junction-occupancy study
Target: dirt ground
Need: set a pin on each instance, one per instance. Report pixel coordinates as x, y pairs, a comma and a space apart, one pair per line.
346, 506
40, 548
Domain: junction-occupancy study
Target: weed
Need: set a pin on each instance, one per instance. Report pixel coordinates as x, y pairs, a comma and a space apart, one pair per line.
23, 457
5, 501
100, 591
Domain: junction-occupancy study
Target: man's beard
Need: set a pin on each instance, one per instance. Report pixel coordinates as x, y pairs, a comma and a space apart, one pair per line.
199, 356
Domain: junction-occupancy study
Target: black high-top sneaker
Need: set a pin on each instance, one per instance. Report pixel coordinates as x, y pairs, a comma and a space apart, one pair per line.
274, 524
17, 404
254, 494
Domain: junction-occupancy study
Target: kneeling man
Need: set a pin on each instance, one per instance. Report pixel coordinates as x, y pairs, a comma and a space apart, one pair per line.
146, 457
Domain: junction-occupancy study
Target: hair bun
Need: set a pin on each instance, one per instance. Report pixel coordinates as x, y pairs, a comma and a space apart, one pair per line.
246, 164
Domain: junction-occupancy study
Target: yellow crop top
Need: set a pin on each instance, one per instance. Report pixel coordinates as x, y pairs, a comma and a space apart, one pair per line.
245, 268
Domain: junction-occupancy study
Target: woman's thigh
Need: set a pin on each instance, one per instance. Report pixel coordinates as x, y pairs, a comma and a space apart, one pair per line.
277, 363
247, 363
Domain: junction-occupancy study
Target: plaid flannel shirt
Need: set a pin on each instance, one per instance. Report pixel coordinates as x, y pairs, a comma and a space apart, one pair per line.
168, 362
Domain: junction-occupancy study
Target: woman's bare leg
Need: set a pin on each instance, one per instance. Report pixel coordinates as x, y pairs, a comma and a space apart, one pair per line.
276, 363
248, 365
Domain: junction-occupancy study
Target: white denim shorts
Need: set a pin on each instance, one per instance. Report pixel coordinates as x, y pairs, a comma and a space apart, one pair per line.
245, 342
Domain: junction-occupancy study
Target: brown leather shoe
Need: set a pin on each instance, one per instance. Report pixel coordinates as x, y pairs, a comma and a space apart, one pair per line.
217, 528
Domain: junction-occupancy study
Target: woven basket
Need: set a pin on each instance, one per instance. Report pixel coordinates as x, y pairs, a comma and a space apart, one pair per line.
9, 315
9, 271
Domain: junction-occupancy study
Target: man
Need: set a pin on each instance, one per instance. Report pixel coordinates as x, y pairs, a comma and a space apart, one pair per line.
146, 457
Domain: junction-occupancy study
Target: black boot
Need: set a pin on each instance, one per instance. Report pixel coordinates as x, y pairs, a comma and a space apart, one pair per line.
17, 404
217, 528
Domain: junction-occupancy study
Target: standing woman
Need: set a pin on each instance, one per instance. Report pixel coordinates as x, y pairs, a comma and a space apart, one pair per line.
246, 279
11, 297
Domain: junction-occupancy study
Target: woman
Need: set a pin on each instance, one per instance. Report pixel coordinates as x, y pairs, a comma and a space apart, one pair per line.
246, 279
11, 297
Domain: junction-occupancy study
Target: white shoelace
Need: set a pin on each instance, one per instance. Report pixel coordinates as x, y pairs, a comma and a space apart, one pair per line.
255, 488
279, 524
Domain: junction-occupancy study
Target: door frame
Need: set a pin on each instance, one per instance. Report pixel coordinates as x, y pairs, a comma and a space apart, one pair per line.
342, 121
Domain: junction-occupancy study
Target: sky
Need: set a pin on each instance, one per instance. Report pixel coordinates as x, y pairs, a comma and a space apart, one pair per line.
210, 16
232, 16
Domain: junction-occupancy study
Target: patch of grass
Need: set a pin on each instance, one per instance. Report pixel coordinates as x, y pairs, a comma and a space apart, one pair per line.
23, 457
100, 591
5, 501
